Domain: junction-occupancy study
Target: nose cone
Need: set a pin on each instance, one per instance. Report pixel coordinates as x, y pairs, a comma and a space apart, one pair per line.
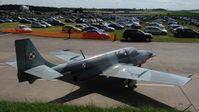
145, 55
149, 54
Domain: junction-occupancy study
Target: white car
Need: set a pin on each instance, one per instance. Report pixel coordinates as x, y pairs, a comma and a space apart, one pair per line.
23, 29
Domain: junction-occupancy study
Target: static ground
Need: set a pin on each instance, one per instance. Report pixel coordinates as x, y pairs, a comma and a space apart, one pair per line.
179, 58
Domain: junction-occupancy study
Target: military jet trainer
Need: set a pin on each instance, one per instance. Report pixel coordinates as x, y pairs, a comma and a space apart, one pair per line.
122, 63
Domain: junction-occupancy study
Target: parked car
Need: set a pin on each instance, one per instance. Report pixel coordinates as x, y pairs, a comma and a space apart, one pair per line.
135, 25
173, 26
95, 34
55, 22
23, 20
92, 28
7, 20
37, 25
155, 30
116, 26
81, 26
136, 35
23, 29
2, 21
45, 23
68, 20
73, 28
156, 25
104, 27
186, 32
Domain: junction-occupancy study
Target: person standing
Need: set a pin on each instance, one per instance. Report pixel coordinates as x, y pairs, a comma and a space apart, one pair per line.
69, 33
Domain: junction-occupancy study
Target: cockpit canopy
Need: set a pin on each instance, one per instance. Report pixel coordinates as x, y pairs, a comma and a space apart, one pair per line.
132, 51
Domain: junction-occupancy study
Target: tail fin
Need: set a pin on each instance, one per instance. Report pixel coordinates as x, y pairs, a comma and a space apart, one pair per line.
28, 57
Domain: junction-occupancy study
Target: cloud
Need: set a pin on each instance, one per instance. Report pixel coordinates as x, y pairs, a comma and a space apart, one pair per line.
167, 4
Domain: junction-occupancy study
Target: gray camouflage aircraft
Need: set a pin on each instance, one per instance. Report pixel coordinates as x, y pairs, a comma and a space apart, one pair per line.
122, 63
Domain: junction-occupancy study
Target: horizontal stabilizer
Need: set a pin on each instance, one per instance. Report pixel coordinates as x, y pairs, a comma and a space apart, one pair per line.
142, 74
68, 56
12, 63
44, 72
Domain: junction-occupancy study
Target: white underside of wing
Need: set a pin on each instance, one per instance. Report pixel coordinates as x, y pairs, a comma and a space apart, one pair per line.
44, 72
67, 55
142, 74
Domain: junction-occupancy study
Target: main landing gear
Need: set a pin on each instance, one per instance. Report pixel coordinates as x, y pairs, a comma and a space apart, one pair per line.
130, 83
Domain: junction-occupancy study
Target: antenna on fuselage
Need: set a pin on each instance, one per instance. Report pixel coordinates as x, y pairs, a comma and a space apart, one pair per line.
82, 54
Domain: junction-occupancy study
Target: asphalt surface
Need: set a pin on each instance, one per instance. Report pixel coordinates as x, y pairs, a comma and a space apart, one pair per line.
178, 58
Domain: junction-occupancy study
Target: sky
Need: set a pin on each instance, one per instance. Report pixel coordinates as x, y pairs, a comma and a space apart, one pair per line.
166, 4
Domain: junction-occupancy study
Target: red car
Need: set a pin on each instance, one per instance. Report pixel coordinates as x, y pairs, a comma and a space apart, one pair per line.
94, 34
23, 29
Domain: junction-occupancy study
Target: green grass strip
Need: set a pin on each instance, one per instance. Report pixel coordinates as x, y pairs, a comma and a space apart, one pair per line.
53, 107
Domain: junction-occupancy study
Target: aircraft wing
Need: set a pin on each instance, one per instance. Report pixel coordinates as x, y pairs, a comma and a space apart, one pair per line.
127, 71
44, 72
68, 56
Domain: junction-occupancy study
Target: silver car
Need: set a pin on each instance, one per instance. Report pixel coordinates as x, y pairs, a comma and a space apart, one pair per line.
155, 30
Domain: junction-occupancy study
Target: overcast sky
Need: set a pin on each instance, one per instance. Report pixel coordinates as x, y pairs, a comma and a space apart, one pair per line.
167, 4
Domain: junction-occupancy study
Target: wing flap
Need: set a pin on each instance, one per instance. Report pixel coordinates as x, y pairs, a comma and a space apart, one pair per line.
142, 74
44, 72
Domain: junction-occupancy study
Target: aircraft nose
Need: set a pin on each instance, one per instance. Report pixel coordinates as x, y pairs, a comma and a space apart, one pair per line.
150, 54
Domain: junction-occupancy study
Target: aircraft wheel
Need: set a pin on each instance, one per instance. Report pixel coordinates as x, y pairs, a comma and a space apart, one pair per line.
130, 83
139, 65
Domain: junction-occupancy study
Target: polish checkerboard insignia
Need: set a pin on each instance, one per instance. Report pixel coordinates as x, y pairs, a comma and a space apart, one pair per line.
31, 55
84, 65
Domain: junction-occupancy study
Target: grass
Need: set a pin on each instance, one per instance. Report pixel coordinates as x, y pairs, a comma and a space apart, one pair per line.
7, 25
50, 107
182, 13
13, 25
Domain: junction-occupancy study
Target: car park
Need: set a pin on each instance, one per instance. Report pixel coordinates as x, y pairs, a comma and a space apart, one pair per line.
104, 27
73, 28
136, 35
92, 28
116, 26
81, 26
95, 34
23, 29
155, 30
23, 20
68, 20
45, 23
38, 25
55, 22
156, 25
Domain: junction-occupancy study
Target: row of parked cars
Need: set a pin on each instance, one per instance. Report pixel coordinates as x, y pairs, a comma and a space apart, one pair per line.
190, 20
97, 31
181, 31
157, 28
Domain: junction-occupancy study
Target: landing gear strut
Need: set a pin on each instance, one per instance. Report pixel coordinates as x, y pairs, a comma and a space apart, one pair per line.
130, 83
